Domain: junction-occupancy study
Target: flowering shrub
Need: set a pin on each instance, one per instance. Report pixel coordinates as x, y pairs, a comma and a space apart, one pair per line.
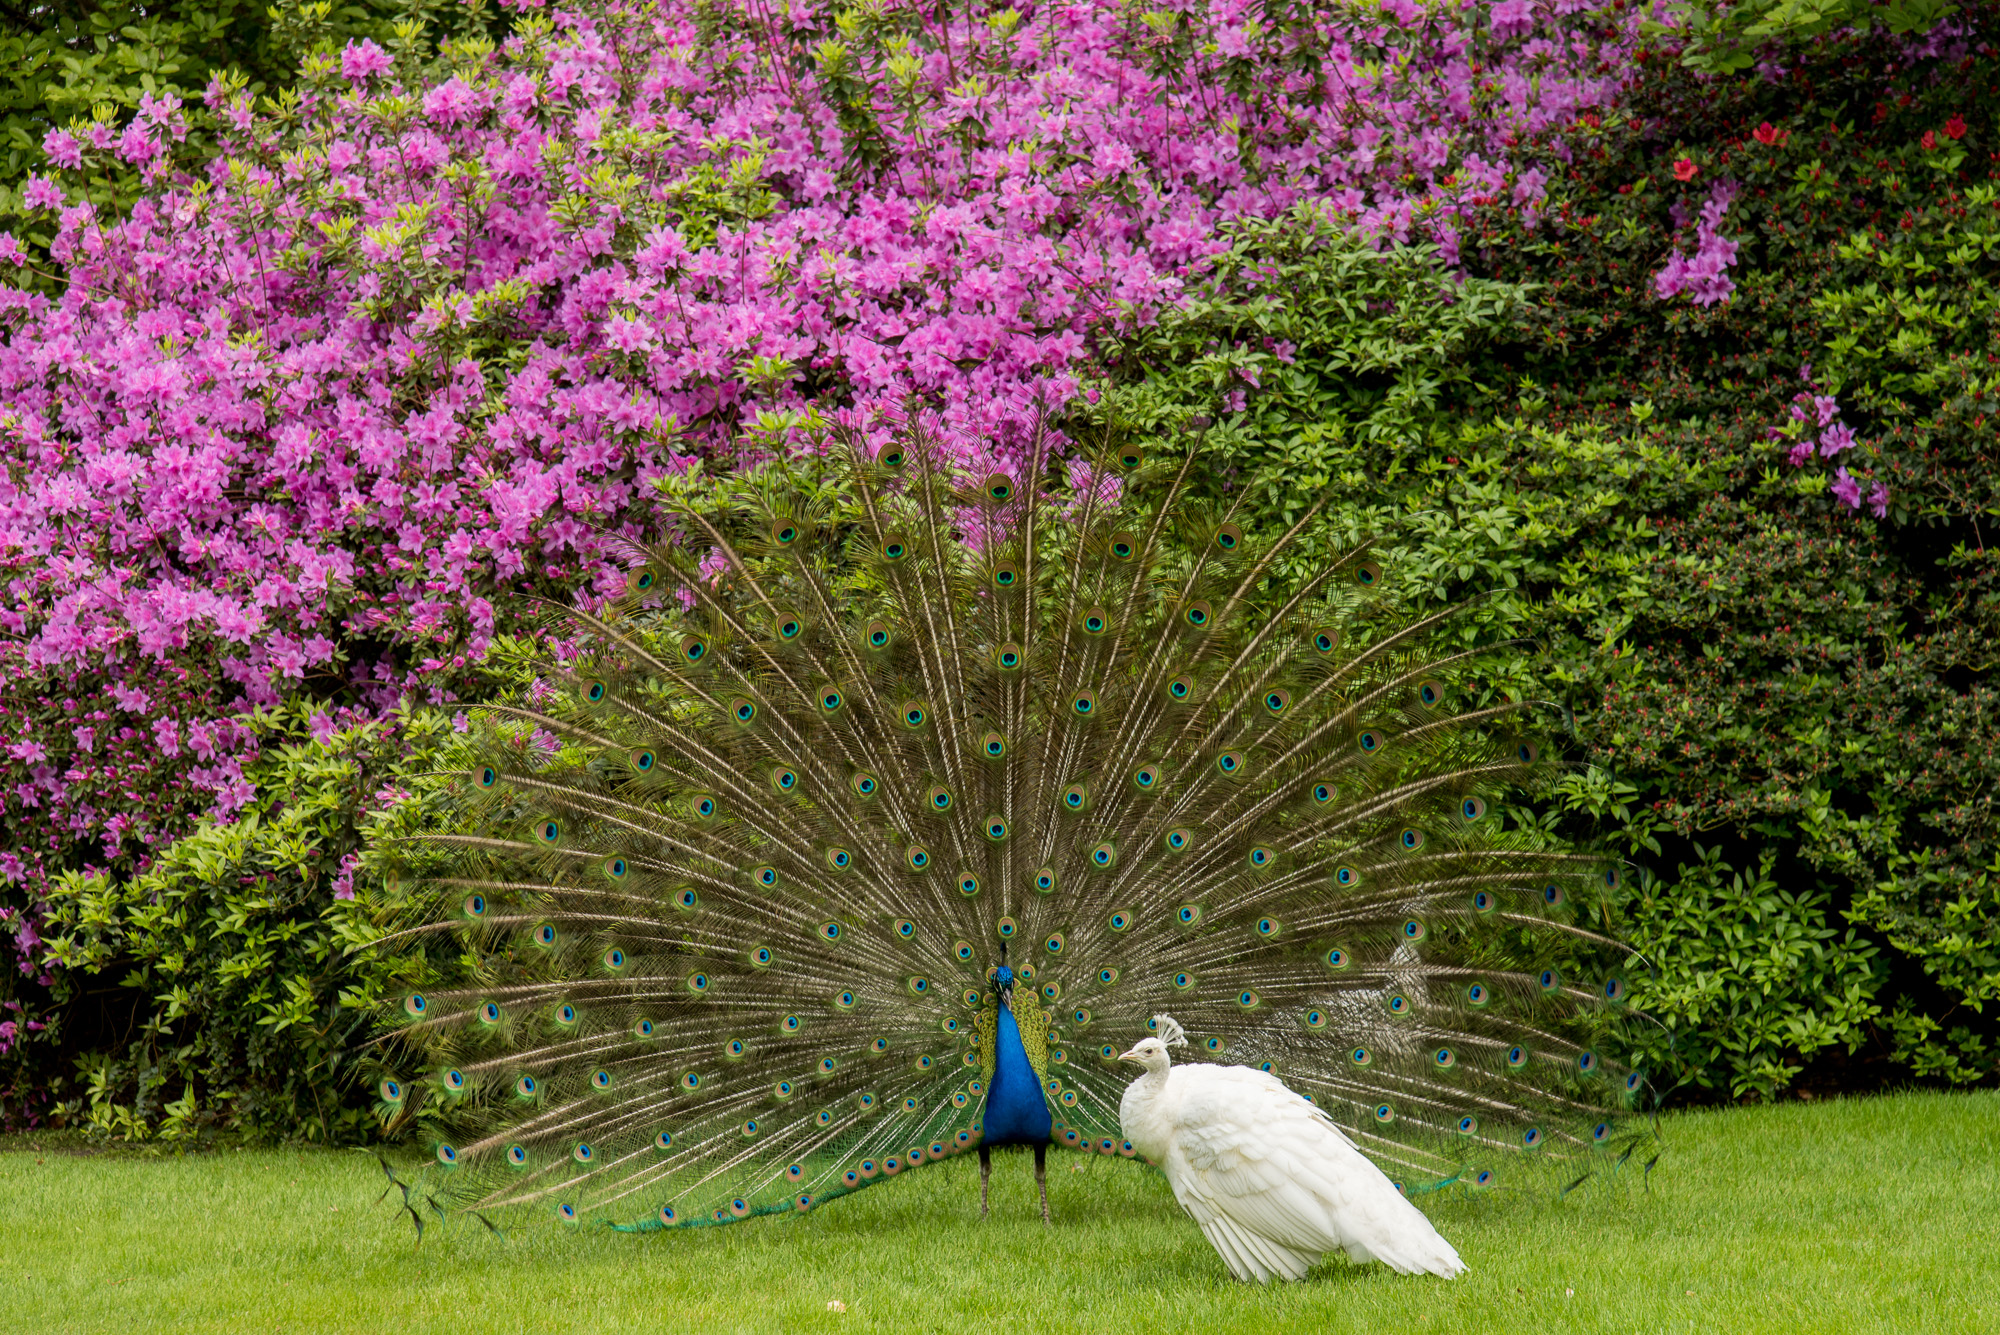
313, 416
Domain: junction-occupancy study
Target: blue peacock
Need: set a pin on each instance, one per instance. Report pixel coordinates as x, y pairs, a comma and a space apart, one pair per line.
891, 805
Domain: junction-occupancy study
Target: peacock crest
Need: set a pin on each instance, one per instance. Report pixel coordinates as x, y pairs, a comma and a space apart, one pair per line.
735, 885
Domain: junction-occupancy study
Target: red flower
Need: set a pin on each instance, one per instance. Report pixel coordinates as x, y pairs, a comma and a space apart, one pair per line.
1768, 134
1685, 170
1955, 127
1929, 140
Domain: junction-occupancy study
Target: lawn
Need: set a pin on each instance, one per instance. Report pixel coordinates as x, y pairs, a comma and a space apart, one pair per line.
1874, 1214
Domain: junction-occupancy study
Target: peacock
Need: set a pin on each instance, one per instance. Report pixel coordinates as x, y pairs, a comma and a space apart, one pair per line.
891, 802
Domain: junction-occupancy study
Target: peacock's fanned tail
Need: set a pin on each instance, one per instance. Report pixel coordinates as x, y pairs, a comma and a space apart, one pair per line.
730, 888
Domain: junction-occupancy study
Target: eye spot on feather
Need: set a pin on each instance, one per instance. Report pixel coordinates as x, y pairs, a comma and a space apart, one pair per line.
1107, 976
1178, 840
1230, 762
1368, 574
918, 858
527, 1087
877, 635
1484, 902
1549, 980
1183, 981
1552, 895
1045, 881
1337, 959
1586, 1063
1096, 621
1261, 858
1314, 1019
642, 1029
1369, 741
1277, 702
839, 859
1124, 546
488, 777
391, 1091
447, 1155
1614, 989
1104, 856
1197, 614
1009, 657
1413, 930
831, 700
1444, 1059
1361, 1056
995, 830
742, 710
517, 1156
1384, 1114
1531, 1138
1180, 689
1468, 1126
1517, 1057
1268, 928
1006, 928
1477, 994
864, 785
1471, 809
894, 549
1146, 778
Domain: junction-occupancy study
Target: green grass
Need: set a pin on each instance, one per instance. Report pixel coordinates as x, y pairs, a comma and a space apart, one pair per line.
1853, 1216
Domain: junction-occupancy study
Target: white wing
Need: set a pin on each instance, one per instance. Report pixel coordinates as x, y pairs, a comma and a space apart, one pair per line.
1273, 1183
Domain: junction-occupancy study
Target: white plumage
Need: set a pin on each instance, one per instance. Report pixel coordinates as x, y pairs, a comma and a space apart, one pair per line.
1270, 1179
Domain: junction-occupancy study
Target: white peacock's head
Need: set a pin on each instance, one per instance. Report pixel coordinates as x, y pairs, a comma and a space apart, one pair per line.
1150, 1053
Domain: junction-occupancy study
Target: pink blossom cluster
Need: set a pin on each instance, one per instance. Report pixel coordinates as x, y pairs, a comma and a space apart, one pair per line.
312, 417
1703, 274
1819, 432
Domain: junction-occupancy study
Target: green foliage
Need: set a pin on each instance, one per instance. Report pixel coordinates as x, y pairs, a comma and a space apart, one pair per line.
1750, 660
1747, 979
239, 1008
1727, 38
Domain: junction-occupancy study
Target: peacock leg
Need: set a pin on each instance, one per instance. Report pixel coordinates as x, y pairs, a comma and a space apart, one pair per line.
985, 1172
1042, 1178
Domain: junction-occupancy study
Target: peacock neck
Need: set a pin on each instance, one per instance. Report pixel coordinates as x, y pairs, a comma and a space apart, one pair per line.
1016, 1113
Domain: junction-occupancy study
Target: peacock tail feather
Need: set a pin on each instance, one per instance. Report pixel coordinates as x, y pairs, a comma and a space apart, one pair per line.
731, 882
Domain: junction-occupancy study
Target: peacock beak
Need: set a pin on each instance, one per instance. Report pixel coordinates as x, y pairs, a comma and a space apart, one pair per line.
1132, 1056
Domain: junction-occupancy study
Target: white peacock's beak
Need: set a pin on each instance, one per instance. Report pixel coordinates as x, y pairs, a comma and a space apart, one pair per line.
1132, 1056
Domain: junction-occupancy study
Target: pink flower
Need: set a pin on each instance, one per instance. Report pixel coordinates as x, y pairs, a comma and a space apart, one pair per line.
1513, 18
1685, 170
10, 250
41, 193
62, 149
363, 60
1769, 135
1846, 489
1955, 127
1929, 140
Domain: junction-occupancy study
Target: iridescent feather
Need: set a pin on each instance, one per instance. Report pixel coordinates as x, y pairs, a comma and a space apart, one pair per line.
728, 948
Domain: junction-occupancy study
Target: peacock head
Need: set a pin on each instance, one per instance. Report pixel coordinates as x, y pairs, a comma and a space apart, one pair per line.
1003, 985
1151, 1051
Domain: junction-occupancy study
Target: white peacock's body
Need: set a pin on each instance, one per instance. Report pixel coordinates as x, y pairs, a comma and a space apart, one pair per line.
1272, 1182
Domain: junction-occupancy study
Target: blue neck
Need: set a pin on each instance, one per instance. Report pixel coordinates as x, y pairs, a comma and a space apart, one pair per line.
1015, 1112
